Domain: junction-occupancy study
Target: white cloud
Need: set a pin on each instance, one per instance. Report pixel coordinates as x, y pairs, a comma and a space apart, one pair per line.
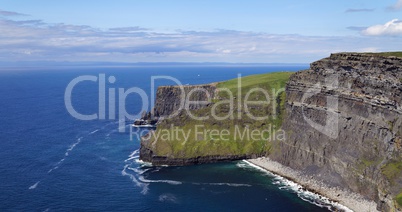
359, 10
396, 6
393, 27
35, 40
10, 13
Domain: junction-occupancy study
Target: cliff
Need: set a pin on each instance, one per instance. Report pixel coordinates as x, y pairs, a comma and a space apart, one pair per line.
169, 99
171, 103
212, 123
341, 120
344, 124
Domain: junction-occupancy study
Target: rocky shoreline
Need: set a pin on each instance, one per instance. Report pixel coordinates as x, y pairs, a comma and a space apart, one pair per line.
344, 197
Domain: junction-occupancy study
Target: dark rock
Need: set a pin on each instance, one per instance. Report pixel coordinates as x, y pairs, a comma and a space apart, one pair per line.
368, 95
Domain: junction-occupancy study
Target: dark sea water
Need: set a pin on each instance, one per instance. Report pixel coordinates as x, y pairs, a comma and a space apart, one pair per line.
50, 161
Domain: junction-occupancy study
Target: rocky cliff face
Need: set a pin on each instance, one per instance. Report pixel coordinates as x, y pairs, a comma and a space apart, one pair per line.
344, 125
224, 132
171, 98
174, 99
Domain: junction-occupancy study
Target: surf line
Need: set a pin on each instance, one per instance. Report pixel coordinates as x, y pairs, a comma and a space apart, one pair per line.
66, 154
130, 161
301, 192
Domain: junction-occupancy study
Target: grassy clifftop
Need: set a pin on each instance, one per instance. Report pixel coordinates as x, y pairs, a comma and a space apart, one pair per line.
386, 54
243, 118
383, 54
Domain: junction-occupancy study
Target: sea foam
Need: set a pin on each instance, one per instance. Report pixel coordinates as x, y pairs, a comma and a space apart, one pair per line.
302, 193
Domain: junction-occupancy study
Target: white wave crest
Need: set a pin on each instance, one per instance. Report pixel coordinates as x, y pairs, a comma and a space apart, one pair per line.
138, 171
133, 155
231, 184
66, 154
224, 184
93, 132
34, 185
143, 163
144, 186
73, 146
172, 182
135, 152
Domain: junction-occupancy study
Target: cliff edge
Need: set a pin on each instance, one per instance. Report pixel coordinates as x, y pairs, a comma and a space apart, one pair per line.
344, 125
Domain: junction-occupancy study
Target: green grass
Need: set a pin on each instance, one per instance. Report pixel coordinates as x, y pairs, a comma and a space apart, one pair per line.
392, 170
209, 144
386, 54
399, 199
271, 81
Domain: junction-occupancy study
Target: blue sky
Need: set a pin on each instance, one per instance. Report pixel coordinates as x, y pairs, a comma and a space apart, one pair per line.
195, 31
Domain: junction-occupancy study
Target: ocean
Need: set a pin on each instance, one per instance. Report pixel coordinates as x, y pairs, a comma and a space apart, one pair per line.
51, 161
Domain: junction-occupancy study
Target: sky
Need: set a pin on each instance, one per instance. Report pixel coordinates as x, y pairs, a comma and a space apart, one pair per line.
252, 31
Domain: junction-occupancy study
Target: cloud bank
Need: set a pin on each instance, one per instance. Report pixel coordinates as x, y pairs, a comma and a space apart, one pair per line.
393, 28
35, 40
10, 13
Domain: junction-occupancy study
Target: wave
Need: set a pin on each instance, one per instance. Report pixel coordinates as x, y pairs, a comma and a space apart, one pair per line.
52, 169
66, 154
131, 158
93, 132
135, 152
224, 184
34, 185
143, 163
133, 155
73, 146
144, 186
138, 171
231, 184
241, 165
172, 182
302, 193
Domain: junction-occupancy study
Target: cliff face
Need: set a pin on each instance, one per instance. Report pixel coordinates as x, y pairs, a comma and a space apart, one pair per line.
344, 125
225, 132
170, 99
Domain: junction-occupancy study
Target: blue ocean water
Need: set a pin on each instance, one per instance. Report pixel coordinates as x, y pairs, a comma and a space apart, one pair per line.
50, 161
